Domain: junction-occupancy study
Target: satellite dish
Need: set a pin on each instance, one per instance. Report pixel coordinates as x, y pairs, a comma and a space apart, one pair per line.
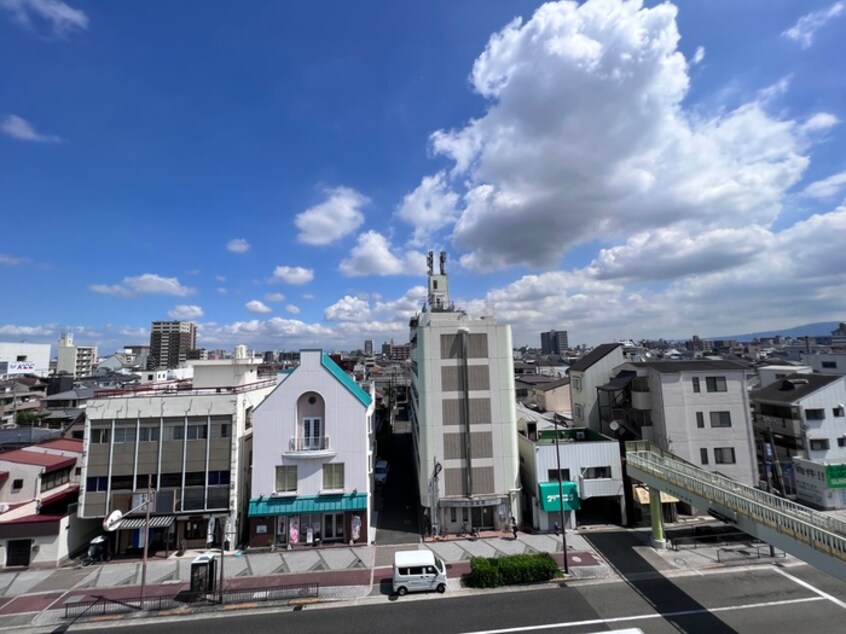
112, 521
614, 425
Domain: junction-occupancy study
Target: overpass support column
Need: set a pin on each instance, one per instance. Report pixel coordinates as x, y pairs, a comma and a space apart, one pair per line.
655, 511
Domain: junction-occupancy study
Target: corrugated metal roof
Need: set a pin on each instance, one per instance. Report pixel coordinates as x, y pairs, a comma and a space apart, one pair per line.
307, 504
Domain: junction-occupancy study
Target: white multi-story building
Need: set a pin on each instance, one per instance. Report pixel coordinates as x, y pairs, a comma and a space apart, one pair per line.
24, 358
591, 472
803, 415
699, 410
827, 363
312, 458
463, 419
768, 374
190, 442
588, 373
75, 360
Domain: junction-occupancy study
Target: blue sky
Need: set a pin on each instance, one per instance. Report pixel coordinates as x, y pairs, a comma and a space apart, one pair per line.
277, 171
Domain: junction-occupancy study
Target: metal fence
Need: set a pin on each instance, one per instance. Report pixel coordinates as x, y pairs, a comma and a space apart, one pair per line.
101, 606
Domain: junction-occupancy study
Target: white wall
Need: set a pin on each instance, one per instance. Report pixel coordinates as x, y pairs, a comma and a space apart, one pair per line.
674, 408
38, 354
831, 427
831, 363
346, 422
771, 373
812, 487
585, 397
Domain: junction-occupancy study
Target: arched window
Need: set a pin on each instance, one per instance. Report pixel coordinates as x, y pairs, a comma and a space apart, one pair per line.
311, 432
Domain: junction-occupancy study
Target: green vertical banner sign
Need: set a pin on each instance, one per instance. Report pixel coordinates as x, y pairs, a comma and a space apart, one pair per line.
835, 476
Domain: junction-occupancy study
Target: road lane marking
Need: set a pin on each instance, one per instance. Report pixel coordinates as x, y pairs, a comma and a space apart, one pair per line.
813, 589
645, 617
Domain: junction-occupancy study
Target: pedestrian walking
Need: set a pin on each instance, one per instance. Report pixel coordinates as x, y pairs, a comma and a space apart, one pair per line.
557, 529
514, 526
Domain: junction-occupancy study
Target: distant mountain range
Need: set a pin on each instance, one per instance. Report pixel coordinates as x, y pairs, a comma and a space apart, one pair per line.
818, 329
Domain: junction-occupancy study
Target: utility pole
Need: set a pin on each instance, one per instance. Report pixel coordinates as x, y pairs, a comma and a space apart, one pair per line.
561, 501
148, 495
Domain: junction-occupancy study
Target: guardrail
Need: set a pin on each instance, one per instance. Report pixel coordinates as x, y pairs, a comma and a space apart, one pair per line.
102, 606
817, 530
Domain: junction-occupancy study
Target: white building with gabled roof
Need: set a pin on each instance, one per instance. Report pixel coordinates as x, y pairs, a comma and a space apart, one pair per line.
312, 458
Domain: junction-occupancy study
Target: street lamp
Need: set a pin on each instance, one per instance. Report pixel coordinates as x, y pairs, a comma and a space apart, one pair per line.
113, 521
561, 500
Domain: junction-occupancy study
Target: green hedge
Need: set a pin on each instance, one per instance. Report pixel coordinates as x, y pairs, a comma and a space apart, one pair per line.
510, 570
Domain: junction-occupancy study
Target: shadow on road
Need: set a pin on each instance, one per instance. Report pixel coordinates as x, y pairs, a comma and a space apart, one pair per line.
618, 549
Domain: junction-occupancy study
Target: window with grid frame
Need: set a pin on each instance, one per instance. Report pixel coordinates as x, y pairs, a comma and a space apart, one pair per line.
286, 479
724, 455
333, 476
716, 383
696, 387
720, 419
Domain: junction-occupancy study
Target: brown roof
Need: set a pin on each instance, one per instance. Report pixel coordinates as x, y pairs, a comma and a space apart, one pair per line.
62, 444
50, 461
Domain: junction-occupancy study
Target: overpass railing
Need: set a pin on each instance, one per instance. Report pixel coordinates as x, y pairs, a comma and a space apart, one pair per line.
822, 532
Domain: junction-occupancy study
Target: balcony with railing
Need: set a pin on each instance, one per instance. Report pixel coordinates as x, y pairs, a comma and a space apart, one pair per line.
310, 447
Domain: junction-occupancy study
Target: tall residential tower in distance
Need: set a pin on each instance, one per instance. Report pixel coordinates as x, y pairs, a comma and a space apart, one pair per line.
554, 342
462, 414
170, 342
77, 361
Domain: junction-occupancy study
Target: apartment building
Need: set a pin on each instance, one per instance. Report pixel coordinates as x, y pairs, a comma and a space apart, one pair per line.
699, 410
799, 417
39, 488
170, 342
312, 459
462, 414
554, 342
586, 375
827, 363
75, 360
190, 442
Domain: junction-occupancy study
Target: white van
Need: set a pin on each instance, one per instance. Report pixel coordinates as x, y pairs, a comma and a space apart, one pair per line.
417, 571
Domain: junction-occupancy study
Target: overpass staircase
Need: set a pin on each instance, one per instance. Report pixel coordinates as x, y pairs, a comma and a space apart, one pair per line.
810, 535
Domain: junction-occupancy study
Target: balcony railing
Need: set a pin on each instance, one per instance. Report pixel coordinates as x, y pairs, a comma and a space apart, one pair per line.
309, 443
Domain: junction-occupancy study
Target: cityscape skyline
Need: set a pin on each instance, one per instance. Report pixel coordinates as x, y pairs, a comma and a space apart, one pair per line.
277, 176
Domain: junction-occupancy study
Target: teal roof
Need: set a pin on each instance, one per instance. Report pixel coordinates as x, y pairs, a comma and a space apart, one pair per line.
307, 504
345, 380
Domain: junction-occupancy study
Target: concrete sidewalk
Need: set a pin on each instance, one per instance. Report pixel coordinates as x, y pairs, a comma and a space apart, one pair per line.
36, 598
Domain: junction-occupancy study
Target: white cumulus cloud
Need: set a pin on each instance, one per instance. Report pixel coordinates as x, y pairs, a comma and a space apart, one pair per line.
373, 255
19, 128
295, 275
258, 307
274, 297
430, 207
348, 308
146, 284
807, 26
238, 245
339, 215
586, 137
185, 311
699, 55
294, 310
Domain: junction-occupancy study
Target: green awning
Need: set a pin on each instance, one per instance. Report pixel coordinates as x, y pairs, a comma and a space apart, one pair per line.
549, 494
260, 507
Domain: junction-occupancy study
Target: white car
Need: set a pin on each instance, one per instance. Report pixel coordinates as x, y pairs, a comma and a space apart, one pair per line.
380, 472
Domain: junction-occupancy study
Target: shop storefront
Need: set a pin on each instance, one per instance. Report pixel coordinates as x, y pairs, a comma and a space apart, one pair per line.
549, 503
308, 520
474, 513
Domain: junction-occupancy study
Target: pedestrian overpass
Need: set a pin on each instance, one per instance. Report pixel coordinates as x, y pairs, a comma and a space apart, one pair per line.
814, 537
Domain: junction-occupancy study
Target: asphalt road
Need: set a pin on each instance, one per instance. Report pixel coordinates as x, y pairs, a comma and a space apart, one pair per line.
760, 601
398, 498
